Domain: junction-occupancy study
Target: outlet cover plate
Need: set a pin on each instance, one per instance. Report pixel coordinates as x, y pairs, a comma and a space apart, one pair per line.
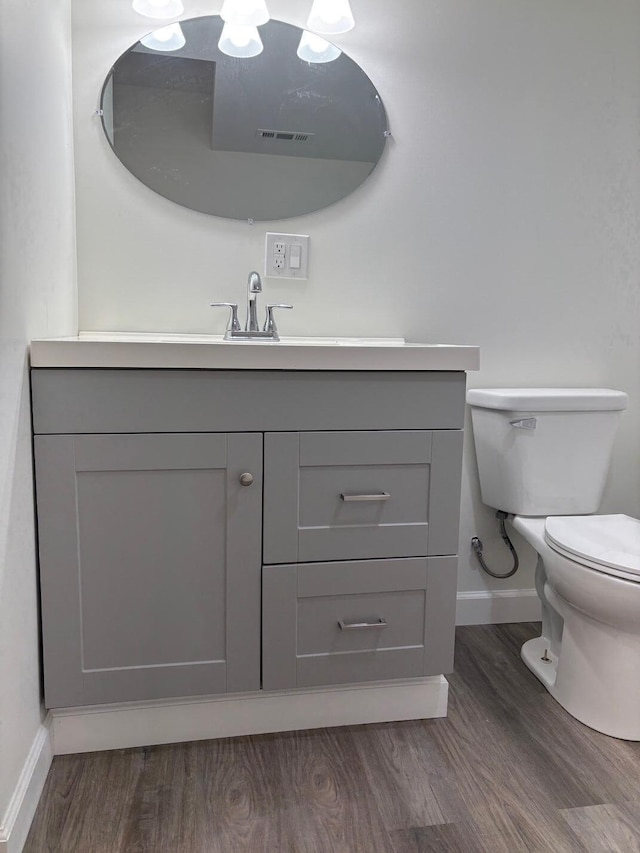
273, 265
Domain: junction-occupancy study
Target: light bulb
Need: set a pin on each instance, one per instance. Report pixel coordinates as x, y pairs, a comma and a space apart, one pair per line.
331, 17
241, 42
158, 8
245, 13
313, 48
165, 39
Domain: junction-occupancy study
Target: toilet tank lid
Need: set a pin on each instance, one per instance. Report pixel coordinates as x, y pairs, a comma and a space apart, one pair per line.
548, 399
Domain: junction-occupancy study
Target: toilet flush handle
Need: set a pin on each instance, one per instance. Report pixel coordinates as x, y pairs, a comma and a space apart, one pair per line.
524, 423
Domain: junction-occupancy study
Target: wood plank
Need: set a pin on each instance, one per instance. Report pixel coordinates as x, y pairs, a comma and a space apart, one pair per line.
329, 804
443, 838
607, 828
411, 783
86, 802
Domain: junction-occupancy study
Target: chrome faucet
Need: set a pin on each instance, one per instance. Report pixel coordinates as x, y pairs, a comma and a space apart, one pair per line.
251, 330
254, 287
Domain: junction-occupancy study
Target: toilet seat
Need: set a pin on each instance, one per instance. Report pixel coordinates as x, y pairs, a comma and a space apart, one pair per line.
608, 543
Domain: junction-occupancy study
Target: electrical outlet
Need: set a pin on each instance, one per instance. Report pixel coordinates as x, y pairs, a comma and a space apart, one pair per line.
286, 256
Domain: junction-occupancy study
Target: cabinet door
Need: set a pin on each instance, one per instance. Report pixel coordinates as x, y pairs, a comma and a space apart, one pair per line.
150, 565
360, 495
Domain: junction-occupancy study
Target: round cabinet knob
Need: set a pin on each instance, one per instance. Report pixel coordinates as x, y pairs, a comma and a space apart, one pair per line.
246, 479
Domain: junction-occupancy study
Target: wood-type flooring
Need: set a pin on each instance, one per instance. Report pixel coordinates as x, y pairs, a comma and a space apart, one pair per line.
507, 771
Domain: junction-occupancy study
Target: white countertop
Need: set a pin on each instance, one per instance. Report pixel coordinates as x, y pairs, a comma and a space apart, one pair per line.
158, 350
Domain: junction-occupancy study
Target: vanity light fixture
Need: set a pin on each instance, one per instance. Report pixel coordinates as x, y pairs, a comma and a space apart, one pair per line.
331, 17
313, 48
158, 8
245, 13
165, 39
242, 42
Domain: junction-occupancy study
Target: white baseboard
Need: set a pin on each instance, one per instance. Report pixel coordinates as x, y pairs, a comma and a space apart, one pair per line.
96, 728
487, 607
15, 824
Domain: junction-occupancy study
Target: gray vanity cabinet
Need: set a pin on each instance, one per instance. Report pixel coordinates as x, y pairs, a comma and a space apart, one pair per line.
150, 565
162, 575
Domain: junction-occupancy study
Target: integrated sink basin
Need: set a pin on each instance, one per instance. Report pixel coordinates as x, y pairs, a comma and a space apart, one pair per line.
158, 350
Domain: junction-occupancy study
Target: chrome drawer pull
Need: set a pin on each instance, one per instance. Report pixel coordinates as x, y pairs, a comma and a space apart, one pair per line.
382, 496
357, 626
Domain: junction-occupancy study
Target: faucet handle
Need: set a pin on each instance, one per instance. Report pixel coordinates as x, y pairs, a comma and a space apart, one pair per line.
233, 325
270, 323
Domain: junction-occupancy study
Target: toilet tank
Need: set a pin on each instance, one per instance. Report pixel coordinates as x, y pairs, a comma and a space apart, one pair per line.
544, 451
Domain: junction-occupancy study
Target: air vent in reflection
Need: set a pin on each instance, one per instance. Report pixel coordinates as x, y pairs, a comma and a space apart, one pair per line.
284, 135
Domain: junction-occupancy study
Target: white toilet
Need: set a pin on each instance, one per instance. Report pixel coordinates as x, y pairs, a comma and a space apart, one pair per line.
543, 455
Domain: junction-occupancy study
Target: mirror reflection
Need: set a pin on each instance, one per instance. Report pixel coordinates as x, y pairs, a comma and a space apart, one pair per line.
266, 137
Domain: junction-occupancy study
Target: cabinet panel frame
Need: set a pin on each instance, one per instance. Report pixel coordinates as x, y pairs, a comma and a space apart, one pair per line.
58, 459
286, 453
285, 585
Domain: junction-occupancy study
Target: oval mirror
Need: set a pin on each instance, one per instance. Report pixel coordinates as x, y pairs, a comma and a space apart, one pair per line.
267, 137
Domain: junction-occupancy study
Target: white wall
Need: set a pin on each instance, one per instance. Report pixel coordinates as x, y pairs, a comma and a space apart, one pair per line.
37, 297
505, 212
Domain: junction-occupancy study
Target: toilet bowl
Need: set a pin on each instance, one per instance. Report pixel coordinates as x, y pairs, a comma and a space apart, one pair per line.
543, 456
588, 581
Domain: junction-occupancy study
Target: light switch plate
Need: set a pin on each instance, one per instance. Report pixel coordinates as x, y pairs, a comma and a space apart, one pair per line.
274, 267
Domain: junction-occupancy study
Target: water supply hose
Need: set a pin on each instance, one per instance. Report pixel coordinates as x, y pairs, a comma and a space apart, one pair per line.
476, 544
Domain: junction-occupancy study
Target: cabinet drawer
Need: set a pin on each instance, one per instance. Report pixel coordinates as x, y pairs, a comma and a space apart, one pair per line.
360, 495
366, 620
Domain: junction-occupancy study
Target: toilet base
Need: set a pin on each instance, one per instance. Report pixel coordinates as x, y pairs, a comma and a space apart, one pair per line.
540, 660
591, 628
605, 698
